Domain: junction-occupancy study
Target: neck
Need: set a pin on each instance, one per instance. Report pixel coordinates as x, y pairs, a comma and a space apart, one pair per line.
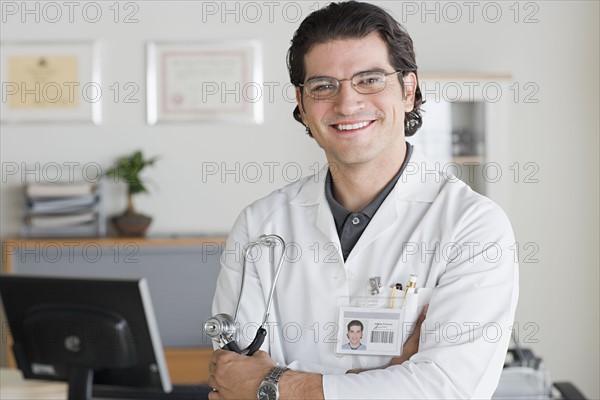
355, 186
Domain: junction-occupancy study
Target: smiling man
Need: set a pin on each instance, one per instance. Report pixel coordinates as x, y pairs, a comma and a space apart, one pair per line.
377, 217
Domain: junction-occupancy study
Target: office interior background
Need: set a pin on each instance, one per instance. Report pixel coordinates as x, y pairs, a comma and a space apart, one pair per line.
546, 51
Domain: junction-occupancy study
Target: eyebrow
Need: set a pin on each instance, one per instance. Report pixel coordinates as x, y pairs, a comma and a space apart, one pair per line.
376, 69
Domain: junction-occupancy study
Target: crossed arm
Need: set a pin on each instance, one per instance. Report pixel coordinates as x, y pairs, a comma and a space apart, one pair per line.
233, 376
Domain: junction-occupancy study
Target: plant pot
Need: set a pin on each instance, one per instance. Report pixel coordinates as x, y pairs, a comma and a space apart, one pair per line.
132, 224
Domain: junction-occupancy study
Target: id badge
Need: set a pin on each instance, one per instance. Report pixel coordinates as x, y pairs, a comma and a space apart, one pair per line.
378, 323
369, 331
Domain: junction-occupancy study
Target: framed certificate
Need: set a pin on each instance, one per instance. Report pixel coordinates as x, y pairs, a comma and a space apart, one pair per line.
50, 82
204, 82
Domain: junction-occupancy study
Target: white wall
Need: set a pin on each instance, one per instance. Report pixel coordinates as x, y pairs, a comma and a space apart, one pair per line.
558, 54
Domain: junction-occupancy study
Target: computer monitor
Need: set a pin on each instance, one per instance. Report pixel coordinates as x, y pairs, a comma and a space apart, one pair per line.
85, 331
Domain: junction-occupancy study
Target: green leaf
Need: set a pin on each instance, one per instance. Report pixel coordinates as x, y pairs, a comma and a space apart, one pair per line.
128, 169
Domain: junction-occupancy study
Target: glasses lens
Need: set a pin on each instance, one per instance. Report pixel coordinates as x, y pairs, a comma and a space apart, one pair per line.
321, 88
369, 82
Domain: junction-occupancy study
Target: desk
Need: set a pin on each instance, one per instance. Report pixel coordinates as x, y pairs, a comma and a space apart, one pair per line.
14, 387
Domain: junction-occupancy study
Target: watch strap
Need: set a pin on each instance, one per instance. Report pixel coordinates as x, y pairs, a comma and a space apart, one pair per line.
275, 374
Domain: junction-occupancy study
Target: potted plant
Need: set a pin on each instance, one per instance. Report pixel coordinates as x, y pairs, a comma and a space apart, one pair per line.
127, 170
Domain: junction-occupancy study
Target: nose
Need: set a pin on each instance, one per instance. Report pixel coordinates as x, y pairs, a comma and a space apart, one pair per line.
348, 101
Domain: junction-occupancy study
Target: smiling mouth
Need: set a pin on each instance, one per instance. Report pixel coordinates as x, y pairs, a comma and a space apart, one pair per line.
352, 127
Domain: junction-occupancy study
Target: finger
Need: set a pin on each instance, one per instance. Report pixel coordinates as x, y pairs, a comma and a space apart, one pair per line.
213, 359
212, 382
261, 355
218, 353
417, 330
219, 357
422, 316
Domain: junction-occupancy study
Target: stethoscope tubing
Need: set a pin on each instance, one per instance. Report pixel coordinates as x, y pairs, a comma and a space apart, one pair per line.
261, 333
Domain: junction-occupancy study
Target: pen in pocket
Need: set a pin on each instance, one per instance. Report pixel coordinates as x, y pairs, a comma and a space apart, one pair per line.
396, 288
410, 287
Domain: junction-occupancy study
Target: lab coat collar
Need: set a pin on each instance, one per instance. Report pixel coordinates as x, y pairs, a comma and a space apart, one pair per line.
420, 182
313, 193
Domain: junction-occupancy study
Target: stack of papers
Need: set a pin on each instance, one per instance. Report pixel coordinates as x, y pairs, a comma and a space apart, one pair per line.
58, 221
62, 210
53, 190
61, 204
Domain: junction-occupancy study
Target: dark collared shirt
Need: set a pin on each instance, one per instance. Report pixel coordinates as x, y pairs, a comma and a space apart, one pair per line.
349, 225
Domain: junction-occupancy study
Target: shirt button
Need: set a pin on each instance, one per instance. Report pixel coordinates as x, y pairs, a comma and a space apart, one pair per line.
355, 221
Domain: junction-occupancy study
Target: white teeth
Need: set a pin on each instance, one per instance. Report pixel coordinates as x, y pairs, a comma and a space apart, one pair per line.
352, 126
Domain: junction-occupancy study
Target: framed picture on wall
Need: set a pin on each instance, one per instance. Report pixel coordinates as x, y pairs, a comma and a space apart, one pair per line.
50, 82
205, 82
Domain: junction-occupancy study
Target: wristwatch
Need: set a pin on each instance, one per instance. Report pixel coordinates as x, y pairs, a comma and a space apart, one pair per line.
269, 388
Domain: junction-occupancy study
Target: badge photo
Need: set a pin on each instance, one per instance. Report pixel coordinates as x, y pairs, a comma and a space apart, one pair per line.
366, 331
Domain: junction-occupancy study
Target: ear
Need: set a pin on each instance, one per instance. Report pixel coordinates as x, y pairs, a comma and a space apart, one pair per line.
410, 87
299, 101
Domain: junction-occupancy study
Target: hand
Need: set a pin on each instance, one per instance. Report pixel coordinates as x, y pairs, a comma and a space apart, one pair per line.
234, 376
410, 348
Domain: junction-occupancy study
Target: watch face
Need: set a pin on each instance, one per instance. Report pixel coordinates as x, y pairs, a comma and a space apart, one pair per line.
267, 391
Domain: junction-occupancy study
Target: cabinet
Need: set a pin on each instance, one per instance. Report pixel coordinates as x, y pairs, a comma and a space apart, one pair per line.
466, 124
181, 275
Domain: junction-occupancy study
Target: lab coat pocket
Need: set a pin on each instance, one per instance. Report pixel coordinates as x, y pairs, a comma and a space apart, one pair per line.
412, 308
382, 322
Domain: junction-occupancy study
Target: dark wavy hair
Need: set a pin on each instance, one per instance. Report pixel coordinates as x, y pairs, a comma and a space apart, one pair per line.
356, 322
355, 20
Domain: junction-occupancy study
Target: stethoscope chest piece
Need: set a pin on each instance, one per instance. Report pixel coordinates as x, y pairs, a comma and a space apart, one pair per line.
221, 328
220, 325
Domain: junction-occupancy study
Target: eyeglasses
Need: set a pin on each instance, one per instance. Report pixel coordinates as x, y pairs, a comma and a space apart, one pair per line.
326, 87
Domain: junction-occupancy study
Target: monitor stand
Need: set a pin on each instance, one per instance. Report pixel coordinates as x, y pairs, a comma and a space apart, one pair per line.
80, 383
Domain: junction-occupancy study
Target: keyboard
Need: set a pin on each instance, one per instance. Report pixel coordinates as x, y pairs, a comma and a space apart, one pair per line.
179, 392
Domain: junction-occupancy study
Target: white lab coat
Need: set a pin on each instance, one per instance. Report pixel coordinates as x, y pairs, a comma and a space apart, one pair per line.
458, 243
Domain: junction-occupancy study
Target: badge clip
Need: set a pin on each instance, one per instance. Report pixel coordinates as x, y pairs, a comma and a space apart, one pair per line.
375, 283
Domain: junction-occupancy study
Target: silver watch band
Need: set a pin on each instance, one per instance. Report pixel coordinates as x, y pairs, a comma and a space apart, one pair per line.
275, 374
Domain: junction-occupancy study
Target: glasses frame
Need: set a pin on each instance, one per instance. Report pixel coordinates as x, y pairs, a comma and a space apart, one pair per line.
354, 85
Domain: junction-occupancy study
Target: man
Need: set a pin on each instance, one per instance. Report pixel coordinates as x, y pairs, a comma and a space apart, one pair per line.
355, 334
379, 214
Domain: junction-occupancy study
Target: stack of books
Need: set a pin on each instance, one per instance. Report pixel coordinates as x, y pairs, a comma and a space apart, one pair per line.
63, 210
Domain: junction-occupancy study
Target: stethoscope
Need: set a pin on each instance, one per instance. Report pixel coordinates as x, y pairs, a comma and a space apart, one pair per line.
222, 327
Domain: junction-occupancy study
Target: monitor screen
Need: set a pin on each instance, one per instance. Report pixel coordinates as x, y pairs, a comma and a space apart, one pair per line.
83, 331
